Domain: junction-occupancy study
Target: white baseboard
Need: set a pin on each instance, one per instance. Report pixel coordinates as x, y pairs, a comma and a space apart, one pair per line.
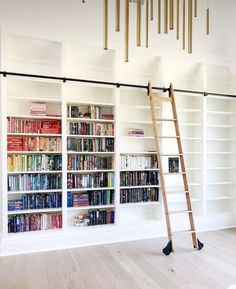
80, 237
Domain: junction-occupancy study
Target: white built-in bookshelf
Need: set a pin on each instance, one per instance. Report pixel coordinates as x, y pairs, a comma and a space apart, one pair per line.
100, 166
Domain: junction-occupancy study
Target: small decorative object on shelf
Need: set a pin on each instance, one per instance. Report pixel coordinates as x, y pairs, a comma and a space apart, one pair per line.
173, 165
38, 108
81, 220
137, 132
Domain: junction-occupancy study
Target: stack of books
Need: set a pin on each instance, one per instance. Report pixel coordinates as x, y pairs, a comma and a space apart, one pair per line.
38, 108
137, 132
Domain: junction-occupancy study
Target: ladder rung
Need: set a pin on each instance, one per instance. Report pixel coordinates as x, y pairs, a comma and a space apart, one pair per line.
169, 174
166, 119
184, 231
178, 192
162, 98
180, 212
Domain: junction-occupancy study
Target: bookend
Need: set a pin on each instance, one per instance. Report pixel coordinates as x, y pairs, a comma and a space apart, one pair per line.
168, 249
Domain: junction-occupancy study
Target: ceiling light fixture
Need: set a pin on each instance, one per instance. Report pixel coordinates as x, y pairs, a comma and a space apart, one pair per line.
168, 11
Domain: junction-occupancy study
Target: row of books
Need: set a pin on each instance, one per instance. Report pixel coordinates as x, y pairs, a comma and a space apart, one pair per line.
138, 178
101, 217
138, 162
34, 143
84, 128
34, 222
94, 180
91, 111
42, 162
91, 198
90, 145
139, 195
36, 201
19, 125
89, 162
29, 182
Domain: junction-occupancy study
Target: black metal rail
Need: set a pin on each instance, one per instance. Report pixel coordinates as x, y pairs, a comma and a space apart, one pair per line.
116, 84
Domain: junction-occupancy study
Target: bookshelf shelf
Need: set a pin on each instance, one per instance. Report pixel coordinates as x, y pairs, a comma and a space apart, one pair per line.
33, 172
139, 187
35, 134
89, 171
220, 126
90, 153
138, 170
139, 204
188, 110
89, 136
23, 212
91, 103
226, 113
220, 183
90, 189
22, 116
33, 99
136, 107
34, 152
90, 120
220, 168
220, 198
33, 192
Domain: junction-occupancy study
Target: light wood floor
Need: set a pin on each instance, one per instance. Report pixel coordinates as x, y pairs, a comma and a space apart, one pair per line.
130, 265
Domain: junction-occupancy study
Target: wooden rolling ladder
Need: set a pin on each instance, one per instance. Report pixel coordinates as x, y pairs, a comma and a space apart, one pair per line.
171, 99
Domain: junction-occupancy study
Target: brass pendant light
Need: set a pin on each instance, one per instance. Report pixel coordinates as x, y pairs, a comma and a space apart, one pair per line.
167, 11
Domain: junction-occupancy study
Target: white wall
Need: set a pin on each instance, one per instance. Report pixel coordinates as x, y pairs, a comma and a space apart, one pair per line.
72, 21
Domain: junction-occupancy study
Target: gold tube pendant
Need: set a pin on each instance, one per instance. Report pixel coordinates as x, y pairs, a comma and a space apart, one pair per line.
184, 4
105, 45
139, 13
177, 20
159, 16
147, 22
190, 26
171, 14
208, 21
117, 15
126, 30
195, 8
165, 16
151, 9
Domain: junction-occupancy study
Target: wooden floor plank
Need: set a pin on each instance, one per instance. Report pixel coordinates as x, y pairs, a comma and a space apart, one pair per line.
129, 265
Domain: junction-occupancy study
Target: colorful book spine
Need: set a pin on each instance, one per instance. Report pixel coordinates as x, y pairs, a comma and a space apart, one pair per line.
90, 145
28, 182
89, 162
94, 180
91, 198
34, 143
139, 195
34, 163
132, 162
34, 222
139, 178
83, 128
36, 201
19, 125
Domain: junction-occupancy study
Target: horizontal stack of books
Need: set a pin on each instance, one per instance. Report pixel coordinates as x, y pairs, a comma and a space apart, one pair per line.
89, 162
136, 132
138, 162
38, 109
90, 145
139, 195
